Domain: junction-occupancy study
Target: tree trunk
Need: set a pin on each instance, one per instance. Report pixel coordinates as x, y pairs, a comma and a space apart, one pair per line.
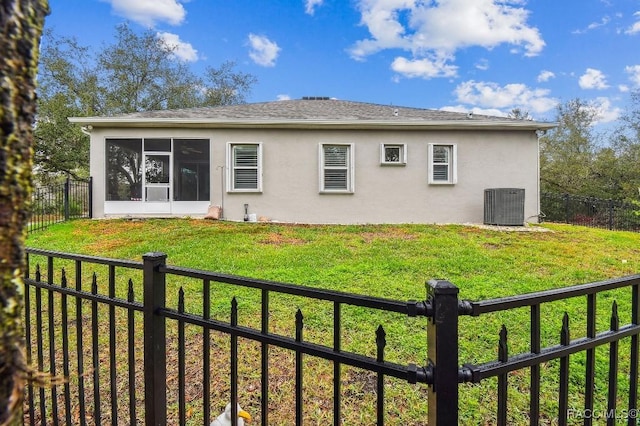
21, 23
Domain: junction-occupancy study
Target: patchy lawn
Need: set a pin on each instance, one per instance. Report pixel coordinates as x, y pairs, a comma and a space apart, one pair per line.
390, 261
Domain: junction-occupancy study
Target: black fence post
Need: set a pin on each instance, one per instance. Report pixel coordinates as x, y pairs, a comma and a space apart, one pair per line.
611, 210
442, 343
566, 209
155, 344
65, 197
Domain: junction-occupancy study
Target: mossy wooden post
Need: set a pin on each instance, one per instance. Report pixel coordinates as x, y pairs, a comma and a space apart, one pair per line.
21, 23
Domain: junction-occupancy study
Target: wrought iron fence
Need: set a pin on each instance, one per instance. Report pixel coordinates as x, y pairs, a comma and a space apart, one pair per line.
136, 340
60, 202
163, 325
590, 211
609, 335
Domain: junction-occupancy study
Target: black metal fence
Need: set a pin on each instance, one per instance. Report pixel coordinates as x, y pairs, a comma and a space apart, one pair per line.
602, 402
136, 340
60, 202
136, 343
590, 211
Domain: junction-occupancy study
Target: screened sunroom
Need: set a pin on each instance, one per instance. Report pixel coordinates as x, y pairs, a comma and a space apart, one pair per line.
157, 175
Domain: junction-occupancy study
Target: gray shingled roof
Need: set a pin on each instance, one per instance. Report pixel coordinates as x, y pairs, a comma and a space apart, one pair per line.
304, 109
316, 111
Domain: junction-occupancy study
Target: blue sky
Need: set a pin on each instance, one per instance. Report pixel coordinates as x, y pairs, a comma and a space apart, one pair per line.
486, 56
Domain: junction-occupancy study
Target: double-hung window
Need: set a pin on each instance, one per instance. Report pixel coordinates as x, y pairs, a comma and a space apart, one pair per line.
245, 167
442, 164
336, 168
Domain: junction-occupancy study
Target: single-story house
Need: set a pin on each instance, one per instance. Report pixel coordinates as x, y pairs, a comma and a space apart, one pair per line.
313, 160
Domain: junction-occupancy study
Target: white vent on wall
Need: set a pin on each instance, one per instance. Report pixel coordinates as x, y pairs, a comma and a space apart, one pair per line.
504, 206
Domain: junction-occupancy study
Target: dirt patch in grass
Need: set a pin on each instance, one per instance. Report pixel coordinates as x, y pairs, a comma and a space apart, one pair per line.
395, 234
278, 239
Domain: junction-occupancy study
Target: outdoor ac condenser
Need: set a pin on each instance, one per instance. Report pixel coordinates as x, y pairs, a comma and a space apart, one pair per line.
504, 206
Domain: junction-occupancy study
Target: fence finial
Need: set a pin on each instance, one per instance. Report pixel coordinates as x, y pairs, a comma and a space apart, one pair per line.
381, 342
503, 347
615, 319
565, 337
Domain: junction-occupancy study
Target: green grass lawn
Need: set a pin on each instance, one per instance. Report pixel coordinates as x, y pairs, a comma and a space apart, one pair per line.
394, 261
381, 260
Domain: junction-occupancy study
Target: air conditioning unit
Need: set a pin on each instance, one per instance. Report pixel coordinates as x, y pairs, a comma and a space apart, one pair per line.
504, 206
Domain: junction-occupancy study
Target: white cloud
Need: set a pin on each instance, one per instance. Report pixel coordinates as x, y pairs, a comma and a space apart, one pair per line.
593, 79
606, 112
149, 12
428, 28
482, 64
545, 76
263, 51
635, 28
480, 111
180, 49
634, 74
492, 95
623, 88
594, 25
605, 20
311, 5
423, 68
283, 97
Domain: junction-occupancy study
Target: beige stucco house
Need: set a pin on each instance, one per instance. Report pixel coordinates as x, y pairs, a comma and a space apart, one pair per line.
314, 160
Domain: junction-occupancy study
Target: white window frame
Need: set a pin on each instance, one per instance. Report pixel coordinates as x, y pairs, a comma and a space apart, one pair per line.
350, 167
452, 164
402, 159
231, 167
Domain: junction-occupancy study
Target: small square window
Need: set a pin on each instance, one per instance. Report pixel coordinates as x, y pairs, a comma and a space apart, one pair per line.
393, 154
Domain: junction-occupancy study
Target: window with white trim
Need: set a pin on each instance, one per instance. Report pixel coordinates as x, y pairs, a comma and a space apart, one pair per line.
393, 154
442, 164
336, 168
244, 165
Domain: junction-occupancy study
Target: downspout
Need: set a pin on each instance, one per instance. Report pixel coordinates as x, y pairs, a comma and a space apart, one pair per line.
87, 131
222, 184
539, 134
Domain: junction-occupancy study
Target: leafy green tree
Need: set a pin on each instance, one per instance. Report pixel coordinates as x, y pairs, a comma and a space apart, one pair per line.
519, 114
138, 72
631, 119
67, 87
568, 151
607, 174
224, 86
626, 142
574, 161
22, 22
